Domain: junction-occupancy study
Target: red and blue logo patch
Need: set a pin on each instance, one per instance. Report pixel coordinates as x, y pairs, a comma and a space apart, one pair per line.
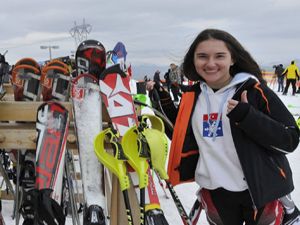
210, 123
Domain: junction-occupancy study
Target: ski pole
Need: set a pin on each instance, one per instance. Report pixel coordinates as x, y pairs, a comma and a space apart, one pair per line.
138, 156
158, 152
115, 163
293, 106
156, 112
195, 212
68, 160
184, 216
162, 186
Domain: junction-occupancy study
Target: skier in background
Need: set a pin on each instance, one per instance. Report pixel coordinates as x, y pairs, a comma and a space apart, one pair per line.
231, 136
292, 75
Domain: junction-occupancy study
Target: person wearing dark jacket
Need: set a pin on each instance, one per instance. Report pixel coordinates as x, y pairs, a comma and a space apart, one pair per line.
156, 77
231, 135
167, 79
280, 77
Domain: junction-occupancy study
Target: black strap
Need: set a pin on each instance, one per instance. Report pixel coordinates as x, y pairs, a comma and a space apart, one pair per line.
38, 205
49, 210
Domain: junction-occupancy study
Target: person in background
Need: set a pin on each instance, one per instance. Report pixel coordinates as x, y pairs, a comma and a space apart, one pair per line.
167, 79
280, 77
156, 77
273, 81
4, 69
231, 136
146, 78
175, 78
292, 75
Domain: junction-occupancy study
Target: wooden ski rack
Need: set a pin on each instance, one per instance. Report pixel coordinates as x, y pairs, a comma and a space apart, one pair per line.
18, 131
17, 123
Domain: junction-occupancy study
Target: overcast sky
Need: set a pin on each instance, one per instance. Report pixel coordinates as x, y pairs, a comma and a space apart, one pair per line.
155, 32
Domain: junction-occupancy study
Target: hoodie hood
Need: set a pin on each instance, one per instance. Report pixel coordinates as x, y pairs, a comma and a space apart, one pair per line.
237, 79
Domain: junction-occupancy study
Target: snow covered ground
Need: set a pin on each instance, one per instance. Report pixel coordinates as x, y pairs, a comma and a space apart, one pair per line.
186, 192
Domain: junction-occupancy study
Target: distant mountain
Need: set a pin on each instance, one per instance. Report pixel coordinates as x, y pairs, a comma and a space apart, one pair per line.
140, 71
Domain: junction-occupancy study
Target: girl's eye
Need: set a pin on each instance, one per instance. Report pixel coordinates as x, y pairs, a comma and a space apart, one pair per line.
201, 56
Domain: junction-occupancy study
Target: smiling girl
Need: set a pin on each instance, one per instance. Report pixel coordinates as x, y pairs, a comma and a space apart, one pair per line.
231, 135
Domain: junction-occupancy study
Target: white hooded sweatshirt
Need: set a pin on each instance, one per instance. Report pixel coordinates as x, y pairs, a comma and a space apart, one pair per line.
218, 164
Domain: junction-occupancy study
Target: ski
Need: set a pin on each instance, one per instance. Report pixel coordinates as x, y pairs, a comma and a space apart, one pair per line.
52, 129
26, 85
111, 58
90, 61
87, 108
69, 190
90, 58
116, 95
121, 53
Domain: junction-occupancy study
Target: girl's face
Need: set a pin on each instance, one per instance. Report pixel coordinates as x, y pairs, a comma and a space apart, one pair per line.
212, 61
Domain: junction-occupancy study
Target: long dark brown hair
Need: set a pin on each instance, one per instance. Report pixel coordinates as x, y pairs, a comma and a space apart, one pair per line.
243, 61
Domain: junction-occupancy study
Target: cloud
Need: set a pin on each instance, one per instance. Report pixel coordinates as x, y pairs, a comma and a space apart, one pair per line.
33, 38
155, 32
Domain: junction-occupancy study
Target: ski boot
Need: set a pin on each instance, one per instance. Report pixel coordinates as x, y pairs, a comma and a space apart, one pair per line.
29, 206
27, 192
94, 215
292, 218
155, 216
27, 175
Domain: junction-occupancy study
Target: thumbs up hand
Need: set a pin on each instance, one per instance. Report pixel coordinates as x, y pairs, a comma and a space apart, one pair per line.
233, 103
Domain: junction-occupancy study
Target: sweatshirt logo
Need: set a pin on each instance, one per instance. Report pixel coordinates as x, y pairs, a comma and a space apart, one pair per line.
210, 123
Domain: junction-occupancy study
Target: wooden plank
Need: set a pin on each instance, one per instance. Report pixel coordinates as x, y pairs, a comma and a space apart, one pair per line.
6, 195
9, 89
7, 97
24, 111
23, 136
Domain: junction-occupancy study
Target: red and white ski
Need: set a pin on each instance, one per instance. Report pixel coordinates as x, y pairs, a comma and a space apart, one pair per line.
90, 58
116, 95
52, 128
